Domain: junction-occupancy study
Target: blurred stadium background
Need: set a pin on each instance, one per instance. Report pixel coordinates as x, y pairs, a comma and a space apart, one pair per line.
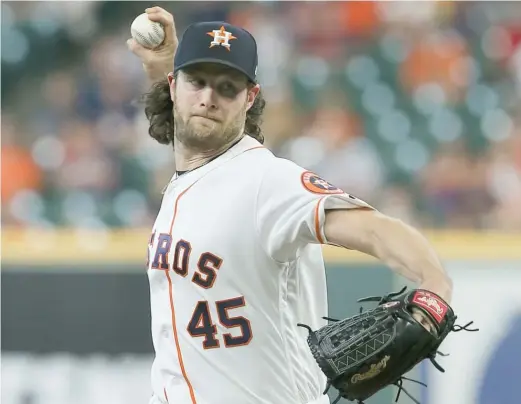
412, 106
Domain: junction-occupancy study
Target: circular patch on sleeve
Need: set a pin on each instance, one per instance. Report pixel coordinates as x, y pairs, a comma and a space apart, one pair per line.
317, 185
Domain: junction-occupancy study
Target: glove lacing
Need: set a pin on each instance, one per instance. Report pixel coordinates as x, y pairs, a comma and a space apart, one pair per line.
399, 382
455, 328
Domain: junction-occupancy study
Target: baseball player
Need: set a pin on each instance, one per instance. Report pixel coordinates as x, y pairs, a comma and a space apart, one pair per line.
234, 256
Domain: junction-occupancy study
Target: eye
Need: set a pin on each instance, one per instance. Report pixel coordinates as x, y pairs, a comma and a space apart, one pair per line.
196, 81
228, 89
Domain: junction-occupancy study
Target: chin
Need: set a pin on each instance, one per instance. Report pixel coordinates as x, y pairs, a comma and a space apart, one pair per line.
201, 135
205, 127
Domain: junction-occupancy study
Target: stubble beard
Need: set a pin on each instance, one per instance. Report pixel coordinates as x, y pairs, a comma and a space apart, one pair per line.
208, 135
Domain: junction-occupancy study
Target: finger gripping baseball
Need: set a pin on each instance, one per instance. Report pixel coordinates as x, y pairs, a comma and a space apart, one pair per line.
365, 353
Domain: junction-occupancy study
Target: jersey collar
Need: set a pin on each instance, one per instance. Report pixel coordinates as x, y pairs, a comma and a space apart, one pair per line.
246, 143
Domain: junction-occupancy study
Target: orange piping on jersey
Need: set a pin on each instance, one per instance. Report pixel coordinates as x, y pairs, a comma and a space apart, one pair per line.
252, 148
317, 221
175, 206
174, 326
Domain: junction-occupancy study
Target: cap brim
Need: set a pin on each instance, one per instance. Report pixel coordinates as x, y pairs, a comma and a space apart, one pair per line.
216, 61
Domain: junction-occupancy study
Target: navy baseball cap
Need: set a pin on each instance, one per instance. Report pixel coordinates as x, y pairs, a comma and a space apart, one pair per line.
218, 42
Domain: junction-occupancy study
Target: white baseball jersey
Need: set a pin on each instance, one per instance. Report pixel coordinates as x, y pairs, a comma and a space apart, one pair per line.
235, 262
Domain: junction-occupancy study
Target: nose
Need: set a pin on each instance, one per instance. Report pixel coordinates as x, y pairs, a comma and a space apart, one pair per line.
208, 98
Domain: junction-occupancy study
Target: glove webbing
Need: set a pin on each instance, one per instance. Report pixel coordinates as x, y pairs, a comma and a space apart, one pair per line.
399, 382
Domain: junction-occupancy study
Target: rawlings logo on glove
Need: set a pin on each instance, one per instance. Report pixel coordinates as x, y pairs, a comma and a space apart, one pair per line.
375, 370
365, 353
432, 303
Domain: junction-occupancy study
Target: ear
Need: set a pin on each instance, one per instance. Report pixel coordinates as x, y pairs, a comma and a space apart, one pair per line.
171, 83
252, 94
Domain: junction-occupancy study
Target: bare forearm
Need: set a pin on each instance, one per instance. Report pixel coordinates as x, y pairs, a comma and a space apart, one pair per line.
408, 253
157, 72
405, 250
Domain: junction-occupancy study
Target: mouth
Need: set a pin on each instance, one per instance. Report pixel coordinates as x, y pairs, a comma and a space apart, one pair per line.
206, 117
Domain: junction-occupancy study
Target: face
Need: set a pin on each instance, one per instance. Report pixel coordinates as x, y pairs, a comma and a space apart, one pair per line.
210, 105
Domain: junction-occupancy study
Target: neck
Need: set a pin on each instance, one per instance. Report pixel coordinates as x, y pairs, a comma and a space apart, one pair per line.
189, 159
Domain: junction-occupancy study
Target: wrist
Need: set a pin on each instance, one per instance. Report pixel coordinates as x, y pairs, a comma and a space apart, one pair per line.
442, 287
157, 72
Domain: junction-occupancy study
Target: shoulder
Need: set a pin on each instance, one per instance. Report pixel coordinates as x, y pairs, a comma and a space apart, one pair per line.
274, 170
289, 174
260, 161
262, 167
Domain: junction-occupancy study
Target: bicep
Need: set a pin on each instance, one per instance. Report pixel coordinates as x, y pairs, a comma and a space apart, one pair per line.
352, 228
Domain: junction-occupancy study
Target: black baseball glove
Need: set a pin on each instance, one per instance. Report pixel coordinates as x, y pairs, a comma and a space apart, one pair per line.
374, 349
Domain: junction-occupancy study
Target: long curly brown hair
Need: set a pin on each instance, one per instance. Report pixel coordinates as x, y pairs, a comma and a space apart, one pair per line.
159, 112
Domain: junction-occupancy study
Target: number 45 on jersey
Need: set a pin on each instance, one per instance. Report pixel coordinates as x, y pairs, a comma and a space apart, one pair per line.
201, 323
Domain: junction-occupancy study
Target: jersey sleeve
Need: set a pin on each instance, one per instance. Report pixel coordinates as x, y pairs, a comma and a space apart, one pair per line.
291, 205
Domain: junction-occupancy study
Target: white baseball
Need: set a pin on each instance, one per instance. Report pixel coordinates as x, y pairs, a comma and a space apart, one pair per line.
147, 33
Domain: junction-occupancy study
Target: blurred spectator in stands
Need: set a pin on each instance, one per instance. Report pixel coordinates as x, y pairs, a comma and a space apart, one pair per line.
58, 101
106, 83
397, 201
437, 57
86, 166
20, 174
454, 188
19, 170
333, 146
504, 183
77, 146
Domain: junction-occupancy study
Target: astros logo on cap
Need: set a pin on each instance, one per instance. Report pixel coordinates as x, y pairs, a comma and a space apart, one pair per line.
221, 37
